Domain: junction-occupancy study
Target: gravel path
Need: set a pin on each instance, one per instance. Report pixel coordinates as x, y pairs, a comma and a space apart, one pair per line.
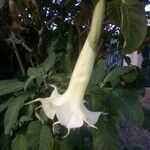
133, 138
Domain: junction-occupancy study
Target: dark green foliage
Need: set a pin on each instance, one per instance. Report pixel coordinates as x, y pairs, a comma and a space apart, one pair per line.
114, 76
98, 74
2, 3
11, 115
105, 137
20, 129
19, 142
10, 86
126, 101
42, 136
130, 16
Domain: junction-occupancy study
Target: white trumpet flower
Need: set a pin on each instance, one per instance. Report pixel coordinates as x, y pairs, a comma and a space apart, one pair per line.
69, 107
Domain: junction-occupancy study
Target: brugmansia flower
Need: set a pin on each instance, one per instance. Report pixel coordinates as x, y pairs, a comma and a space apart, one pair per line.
69, 107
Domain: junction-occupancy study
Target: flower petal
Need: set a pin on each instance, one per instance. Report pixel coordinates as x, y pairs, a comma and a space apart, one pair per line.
49, 109
69, 115
55, 93
58, 99
75, 121
91, 117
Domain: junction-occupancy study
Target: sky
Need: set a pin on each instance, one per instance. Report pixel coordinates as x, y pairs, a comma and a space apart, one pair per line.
147, 7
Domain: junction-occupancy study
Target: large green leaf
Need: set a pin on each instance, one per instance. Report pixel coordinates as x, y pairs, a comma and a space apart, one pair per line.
131, 17
105, 136
126, 101
114, 12
56, 144
116, 73
10, 86
29, 80
133, 25
2, 3
4, 105
49, 62
39, 136
98, 73
37, 72
19, 142
73, 141
11, 115
5, 142
130, 77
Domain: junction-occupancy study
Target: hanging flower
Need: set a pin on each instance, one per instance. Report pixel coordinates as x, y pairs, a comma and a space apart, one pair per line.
69, 107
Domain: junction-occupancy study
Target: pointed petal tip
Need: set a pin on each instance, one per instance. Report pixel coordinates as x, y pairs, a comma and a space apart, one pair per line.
36, 100
68, 132
55, 123
52, 85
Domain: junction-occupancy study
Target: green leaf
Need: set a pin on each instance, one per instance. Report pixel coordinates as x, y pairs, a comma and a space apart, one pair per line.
37, 72
5, 142
127, 103
10, 86
19, 142
132, 2
4, 105
105, 136
98, 73
52, 46
42, 136
74, 140
130, 77
25, 118
11, 115
2, 3
114, 12
133, 25
116, 73
49, 62
29, 80
56, 144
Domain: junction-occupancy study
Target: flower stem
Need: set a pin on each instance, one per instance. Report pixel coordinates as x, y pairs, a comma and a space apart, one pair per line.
83, 68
